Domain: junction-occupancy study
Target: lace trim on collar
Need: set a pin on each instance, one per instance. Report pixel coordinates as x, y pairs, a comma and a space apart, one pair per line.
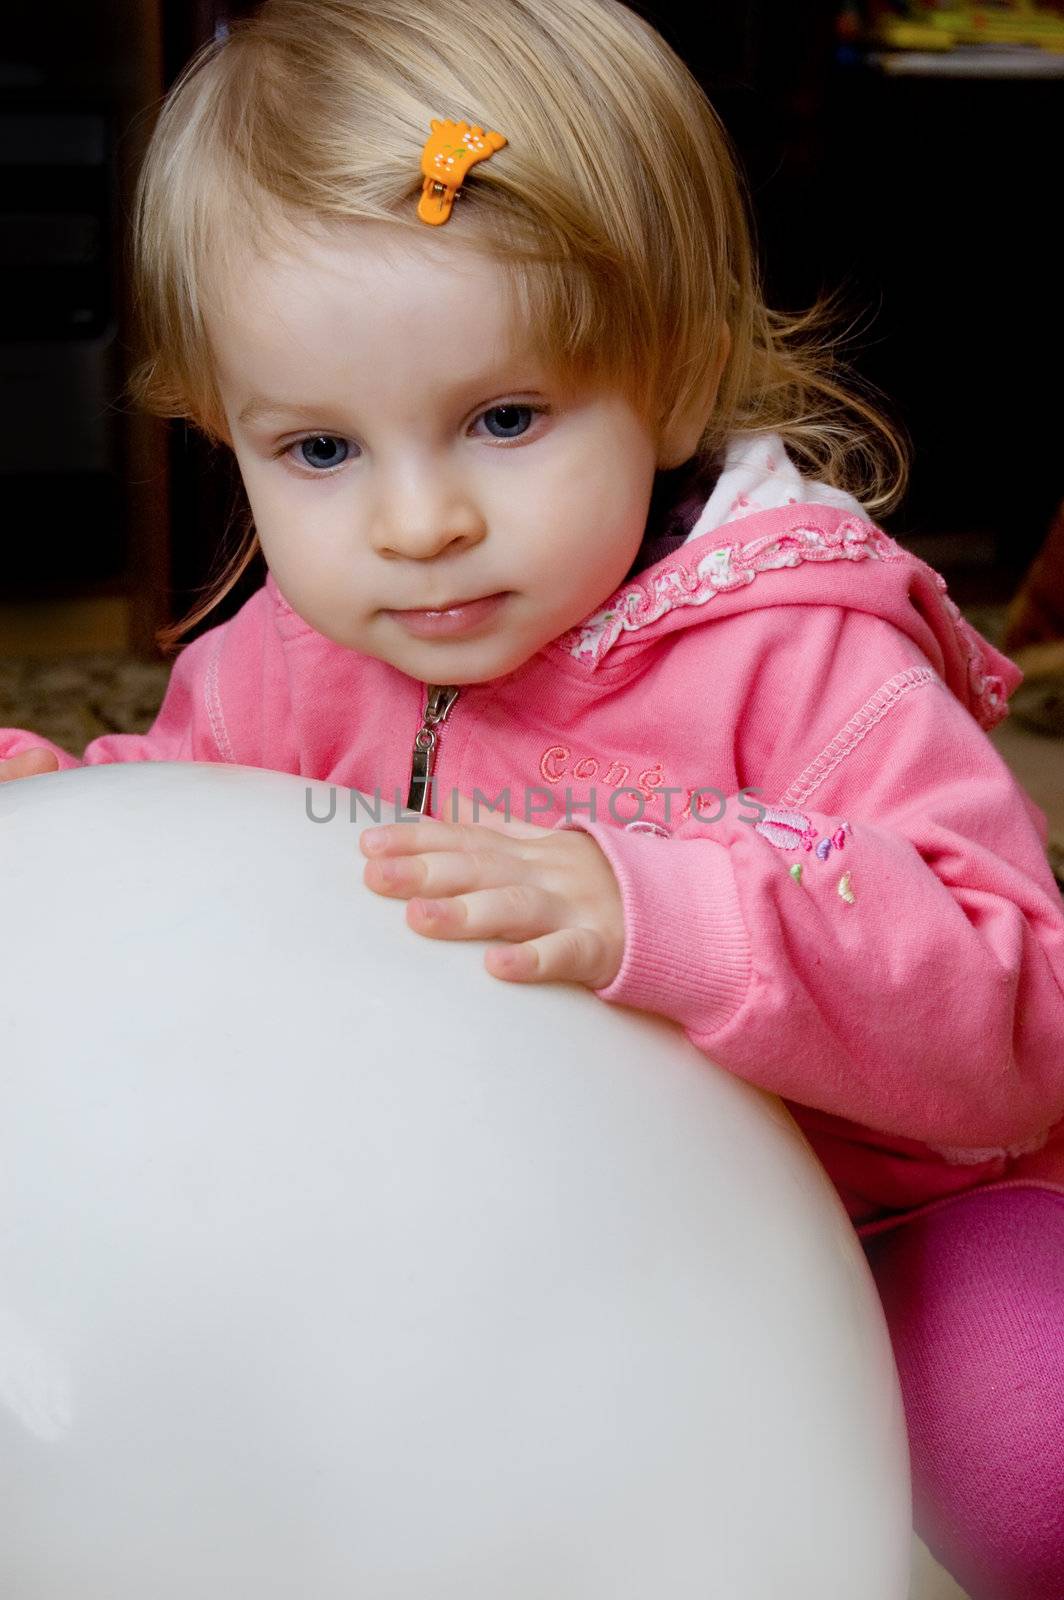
637, 604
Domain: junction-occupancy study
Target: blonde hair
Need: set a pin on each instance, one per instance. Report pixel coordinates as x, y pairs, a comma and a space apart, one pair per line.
616, 211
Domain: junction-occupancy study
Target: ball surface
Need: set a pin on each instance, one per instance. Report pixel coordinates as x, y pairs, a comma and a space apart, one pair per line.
332, 1266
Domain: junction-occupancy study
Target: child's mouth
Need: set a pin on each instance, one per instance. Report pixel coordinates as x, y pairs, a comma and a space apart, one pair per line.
465, 616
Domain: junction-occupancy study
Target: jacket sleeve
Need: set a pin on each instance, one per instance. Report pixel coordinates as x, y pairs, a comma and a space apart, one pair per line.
885, 943
211, 710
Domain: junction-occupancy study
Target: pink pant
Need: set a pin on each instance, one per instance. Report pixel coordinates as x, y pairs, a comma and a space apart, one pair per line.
973, 1291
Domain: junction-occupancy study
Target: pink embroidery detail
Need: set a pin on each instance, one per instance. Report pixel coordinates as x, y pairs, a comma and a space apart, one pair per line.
838, 838
553, 768
651, 779
557, 752
731, 566
988, 690
787, 830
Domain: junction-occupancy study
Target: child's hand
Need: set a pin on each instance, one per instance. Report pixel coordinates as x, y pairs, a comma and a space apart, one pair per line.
551, 893
28, 764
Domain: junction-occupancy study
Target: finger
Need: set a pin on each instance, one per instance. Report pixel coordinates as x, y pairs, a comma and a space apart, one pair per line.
445, 872
412, 838
479, 814
572, 955
517, 911
29, 763
430, 834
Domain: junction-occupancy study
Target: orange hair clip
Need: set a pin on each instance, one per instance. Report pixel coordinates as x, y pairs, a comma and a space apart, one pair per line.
450, 150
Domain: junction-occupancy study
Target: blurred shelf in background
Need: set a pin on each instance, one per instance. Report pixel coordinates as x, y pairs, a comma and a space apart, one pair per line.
970, 61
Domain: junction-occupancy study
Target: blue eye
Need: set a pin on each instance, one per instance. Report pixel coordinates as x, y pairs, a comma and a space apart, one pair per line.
512, 417
333, 454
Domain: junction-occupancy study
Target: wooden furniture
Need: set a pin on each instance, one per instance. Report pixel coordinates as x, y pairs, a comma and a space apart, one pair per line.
84, 478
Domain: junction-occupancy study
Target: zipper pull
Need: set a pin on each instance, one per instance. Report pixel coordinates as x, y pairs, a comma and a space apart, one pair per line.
441, 697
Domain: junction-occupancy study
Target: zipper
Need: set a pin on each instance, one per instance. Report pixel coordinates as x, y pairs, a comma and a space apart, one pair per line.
441, 697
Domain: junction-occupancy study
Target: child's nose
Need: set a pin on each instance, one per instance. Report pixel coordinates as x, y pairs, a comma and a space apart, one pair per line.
421, 525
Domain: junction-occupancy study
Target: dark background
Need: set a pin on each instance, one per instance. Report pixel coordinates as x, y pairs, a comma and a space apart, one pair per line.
930, 202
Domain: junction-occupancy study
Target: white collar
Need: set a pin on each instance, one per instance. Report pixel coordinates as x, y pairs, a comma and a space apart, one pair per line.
759, 475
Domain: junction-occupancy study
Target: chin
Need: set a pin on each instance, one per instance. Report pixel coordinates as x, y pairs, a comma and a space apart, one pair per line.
459, 675
465, 664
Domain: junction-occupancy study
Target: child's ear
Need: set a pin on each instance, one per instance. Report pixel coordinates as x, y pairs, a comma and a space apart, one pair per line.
681, 442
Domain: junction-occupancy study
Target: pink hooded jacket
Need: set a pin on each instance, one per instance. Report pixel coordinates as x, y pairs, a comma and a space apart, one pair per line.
861, 919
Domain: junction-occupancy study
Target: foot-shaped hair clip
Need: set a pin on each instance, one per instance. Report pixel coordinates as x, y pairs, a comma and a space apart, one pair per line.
450, 150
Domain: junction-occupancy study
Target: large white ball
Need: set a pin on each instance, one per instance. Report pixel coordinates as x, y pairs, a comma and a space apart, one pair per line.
332, 1267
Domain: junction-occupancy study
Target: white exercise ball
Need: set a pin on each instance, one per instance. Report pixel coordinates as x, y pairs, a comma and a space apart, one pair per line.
334, 1268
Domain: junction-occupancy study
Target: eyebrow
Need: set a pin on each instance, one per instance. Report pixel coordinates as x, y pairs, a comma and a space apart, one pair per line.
261, 407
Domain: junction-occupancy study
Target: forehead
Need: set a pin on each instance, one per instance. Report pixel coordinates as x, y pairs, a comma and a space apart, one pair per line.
364, 297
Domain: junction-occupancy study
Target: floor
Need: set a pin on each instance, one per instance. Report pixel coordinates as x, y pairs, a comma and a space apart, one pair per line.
72, 699
1037, 764
1031, 738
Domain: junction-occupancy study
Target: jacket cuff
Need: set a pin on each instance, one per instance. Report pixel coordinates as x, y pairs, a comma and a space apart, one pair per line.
686, 947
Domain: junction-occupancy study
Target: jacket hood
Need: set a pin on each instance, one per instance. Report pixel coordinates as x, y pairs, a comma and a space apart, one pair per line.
798, 555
